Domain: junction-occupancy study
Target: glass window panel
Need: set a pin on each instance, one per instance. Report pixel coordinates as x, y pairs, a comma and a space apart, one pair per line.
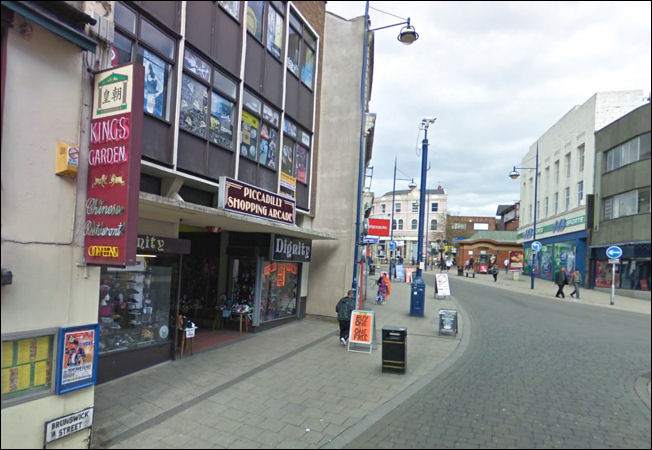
134, 306
644, 201
255, 18
414, 224
310, 39
301, 164
628, 204
125, 18
221, 121
123, 46
157, 39
290, 128
196, 65
268, 146
287, 159
224, 84
279, 290
433, 225
608, 208
308, 66
274, 32
293, 51
249, 135
252, 103
194, 106
617, 157
233, 8
400, 224
644, 146
157, 74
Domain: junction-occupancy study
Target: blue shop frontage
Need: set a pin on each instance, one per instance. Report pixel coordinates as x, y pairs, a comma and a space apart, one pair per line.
566, 250
632, 271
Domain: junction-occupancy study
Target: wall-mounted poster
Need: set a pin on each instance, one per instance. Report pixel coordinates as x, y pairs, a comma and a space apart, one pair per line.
155, 83
77, 357
287, 160
565, 256
302, 162
249, 135
516, 260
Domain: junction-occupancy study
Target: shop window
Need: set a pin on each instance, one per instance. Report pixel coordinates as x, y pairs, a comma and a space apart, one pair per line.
27, 366
255, 11
203, 111
134, 305
293, 48
233, 8
279, 290
137, 39
274, 33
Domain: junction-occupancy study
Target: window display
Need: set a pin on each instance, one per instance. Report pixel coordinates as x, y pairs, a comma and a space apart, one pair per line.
249, 135
279, 290
134, 308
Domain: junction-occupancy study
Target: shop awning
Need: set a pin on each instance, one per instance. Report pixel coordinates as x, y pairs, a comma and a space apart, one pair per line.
166, 209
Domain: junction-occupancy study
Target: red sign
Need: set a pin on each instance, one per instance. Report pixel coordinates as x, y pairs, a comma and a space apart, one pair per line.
379, 227
114, 167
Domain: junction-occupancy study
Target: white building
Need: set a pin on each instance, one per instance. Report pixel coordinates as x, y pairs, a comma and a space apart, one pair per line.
406, 221
565, 184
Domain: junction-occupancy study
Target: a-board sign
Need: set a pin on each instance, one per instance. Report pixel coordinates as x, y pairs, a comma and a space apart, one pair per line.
447, 321
361, 327
442, 287
400, 272
190, 332
66, 425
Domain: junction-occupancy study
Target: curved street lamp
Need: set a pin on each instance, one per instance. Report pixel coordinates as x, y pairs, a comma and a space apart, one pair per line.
514, 174
407, 36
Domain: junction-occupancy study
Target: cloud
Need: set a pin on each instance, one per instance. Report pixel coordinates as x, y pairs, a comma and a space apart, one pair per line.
497, 75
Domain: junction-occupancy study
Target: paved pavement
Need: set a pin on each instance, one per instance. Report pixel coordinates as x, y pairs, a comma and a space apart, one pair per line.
294, 386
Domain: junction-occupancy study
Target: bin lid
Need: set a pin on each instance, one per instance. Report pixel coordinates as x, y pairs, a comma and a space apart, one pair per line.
393, 328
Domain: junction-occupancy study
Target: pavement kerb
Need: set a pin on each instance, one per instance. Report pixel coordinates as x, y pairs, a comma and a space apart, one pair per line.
464, 331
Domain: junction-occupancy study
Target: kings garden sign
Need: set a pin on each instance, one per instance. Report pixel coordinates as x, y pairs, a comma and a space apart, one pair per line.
114, 167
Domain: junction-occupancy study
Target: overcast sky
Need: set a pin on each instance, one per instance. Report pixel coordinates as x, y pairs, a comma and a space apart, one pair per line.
496, 75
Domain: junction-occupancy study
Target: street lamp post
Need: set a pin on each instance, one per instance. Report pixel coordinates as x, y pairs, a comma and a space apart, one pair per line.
391, 228
407, 36
514, 174
418, 291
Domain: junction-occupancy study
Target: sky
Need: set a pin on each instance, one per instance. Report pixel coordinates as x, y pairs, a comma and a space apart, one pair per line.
496, 75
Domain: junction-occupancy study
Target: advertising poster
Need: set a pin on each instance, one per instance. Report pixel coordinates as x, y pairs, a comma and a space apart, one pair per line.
302, 163
531, 261
547, 262
564, 256
516, 262
77, 358
154, 83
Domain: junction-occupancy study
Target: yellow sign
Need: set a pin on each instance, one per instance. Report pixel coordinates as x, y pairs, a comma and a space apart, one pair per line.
251, 120
67, 159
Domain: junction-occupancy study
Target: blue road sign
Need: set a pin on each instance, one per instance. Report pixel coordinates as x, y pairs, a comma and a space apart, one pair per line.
536, 246
392, 245
614, 252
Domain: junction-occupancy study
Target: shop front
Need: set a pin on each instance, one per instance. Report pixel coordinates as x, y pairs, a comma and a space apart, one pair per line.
632, 272
137, 307
568, 250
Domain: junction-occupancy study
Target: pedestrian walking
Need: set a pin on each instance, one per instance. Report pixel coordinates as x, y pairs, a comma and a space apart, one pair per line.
344, 308
384, 289
561, 280
493, 270
506, 262
576, 279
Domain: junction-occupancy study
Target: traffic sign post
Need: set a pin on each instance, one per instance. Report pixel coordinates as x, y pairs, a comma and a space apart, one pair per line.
613, 253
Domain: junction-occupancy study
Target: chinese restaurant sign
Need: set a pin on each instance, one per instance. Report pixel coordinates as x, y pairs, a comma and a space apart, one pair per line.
243, 198
114, 167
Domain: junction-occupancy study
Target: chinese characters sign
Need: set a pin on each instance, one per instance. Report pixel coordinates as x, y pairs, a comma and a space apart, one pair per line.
114, 167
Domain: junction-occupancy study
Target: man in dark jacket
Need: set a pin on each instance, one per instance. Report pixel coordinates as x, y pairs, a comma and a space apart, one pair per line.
344, 308
561, 280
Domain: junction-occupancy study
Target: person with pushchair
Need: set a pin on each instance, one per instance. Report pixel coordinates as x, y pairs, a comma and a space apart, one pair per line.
384, 289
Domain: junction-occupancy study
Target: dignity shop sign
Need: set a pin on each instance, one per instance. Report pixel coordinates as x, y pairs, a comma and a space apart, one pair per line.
114, 167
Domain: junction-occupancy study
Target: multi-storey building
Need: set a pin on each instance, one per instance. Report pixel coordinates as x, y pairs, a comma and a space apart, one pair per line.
622, 203
406, 221
508, 217
565, 184
215, 108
